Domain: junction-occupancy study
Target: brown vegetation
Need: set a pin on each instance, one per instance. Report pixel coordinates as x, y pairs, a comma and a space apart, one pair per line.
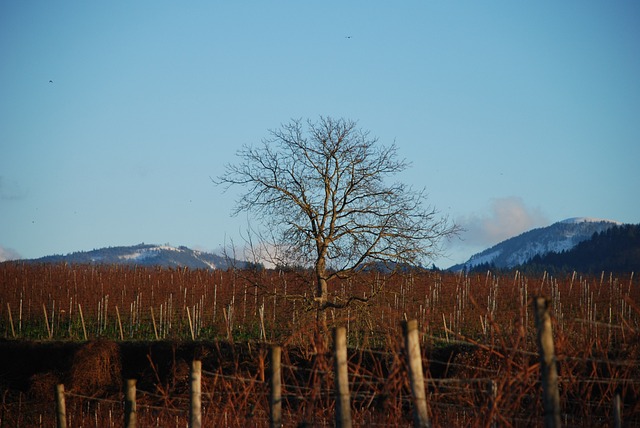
96, 369
477, 331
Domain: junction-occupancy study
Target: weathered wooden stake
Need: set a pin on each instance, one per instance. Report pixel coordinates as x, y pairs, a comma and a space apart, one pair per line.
84, 328
13, 331
617, 415
61, 408
416, 376
119, 323
130, 411
46, 320
153, 321
275, 398
193, 336
195, 413
492, 391
548, 369
343, 402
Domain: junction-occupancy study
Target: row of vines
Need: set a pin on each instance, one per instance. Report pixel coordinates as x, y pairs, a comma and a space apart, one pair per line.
477, 331
132, 303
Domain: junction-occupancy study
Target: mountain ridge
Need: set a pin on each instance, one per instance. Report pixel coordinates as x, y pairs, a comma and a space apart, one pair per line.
557, 237
616, 249
165, 256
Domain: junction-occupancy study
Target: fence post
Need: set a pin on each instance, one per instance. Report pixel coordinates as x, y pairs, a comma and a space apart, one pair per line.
343, 402
275, 398
61, 408
195, 413
549, 372
617, 415
130, 411
492, 391
416, 376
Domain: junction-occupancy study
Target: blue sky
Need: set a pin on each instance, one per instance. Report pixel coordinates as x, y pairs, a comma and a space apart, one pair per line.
513, 115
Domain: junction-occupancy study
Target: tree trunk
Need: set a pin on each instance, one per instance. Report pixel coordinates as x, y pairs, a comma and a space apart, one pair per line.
322, 288
322, 294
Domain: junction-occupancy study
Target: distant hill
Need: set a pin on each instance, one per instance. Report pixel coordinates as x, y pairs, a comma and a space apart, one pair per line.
616, 249
146, 255
516, 251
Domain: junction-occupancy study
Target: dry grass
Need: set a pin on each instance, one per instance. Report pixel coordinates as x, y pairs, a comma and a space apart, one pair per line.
96, 369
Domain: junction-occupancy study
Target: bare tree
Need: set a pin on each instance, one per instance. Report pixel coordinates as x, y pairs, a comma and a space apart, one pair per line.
321, 192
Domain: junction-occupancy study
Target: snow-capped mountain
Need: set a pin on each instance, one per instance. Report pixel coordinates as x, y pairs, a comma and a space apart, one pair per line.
558, 237
147, 255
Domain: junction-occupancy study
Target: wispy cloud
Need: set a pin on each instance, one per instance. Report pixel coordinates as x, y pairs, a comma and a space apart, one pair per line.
10, 190
507, 217
8, 254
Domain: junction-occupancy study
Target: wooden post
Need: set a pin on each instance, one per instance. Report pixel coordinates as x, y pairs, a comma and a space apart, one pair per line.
153, 320
343, 402
193, 336
416, 376
130, 411
84, 328
61, 408
492, 391
13, 331
275, 397
195, 413
549, 372
617, 415
46, 320
119, 323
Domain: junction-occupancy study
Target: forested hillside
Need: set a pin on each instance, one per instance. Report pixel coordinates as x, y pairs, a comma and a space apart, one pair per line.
614, 250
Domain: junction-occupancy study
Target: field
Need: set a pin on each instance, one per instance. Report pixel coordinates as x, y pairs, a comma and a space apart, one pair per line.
92, 327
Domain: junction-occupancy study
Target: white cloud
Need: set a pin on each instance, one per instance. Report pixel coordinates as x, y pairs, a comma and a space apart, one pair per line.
8, 254
507, 217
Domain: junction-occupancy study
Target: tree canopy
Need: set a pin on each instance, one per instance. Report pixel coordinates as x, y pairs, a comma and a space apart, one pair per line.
321, 191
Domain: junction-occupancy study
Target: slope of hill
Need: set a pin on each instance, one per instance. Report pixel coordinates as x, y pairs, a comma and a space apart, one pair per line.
558, 237
614, 250
146, 255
